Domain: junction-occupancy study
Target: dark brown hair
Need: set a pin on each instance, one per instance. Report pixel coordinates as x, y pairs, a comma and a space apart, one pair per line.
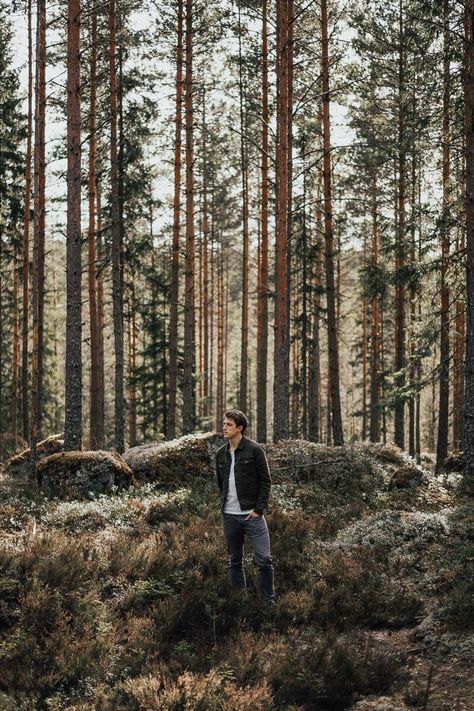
238, 417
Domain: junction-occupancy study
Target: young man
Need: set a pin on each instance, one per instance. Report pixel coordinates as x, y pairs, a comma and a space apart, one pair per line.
244, 481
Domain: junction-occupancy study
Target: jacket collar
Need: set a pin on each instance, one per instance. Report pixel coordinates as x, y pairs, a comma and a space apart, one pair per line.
240, 445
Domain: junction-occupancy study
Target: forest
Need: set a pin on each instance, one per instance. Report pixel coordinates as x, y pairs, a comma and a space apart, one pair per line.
265, 205
211, 205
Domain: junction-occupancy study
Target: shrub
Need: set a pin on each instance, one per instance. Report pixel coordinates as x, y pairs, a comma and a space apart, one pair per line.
327, 673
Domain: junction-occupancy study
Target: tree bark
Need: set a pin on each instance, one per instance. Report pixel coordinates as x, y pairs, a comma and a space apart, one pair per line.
189, 326
173, 325
443, 420
100, 326
15, 348
73, 420
96, 430
262, 302
400, 360
117, 293
39, 231
244, 340
132, 389
26, 242
468, 411
335, 398
281, 344
374, 329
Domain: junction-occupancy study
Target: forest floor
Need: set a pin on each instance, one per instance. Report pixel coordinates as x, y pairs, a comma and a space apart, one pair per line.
121, 602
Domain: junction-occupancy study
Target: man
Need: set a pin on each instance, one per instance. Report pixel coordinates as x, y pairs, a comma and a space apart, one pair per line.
244, 481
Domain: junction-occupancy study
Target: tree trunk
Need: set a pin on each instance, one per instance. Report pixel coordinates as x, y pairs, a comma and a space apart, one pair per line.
468, 412
100, 329
400, 247
189, 327
281, 345
329, 240
458, 362
205, 304
174, 296
96, 430
305, 316
443, 420
220, 341
132, 389
26, 242
117, 293
15, 348
262, 303
39, 231
314, 380
243, 383
375, 327
73, 420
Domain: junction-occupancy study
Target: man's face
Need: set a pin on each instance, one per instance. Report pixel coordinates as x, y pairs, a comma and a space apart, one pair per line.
230, 429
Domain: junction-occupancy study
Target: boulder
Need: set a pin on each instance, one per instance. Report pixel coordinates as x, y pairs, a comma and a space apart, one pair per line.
407, 477
83, 475
177, 460
20, 463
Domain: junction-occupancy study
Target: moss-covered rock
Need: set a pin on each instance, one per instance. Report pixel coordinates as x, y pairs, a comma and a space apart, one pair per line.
19, 464
83, 475
175, 461
406, 477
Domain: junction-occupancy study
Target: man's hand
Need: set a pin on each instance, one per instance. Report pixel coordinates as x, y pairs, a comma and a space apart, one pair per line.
252, 515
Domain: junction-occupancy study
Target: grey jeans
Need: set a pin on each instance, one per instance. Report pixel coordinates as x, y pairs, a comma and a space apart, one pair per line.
235, 528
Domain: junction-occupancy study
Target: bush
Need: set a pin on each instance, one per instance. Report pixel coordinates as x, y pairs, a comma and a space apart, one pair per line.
327, 673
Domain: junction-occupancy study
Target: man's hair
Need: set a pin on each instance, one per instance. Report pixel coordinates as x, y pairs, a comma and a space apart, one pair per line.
238, 417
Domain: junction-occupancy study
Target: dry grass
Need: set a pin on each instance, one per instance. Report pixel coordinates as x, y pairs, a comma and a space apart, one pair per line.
123, 603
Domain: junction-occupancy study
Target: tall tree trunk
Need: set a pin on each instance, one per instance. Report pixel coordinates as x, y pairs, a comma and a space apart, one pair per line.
262, 303
413, 260
205, 304
443, 420
382, 370
117, 292
220, 341
375, 327
305, 315
281, 344
132, 388
400, 361
73, 420
189, 327
314, 380
96, 429
329, 240
290, 18
468, 412
15, 349
173, 325
26, 242
458, 361
39, 231
244, 340
225, 299
100, 328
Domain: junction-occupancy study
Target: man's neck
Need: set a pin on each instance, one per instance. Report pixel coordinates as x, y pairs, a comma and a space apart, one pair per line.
234, 442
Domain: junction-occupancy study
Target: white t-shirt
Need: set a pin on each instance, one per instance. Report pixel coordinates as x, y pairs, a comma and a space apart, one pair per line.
232, 505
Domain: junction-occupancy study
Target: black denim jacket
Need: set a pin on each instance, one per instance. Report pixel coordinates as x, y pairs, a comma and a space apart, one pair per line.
252, 475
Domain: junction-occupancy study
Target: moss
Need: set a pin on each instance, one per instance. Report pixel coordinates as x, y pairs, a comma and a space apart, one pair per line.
73, 475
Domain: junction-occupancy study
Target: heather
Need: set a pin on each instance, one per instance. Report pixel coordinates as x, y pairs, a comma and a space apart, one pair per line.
121, 601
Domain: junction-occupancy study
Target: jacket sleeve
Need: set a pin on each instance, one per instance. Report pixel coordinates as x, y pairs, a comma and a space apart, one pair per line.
218, 476
264, 480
